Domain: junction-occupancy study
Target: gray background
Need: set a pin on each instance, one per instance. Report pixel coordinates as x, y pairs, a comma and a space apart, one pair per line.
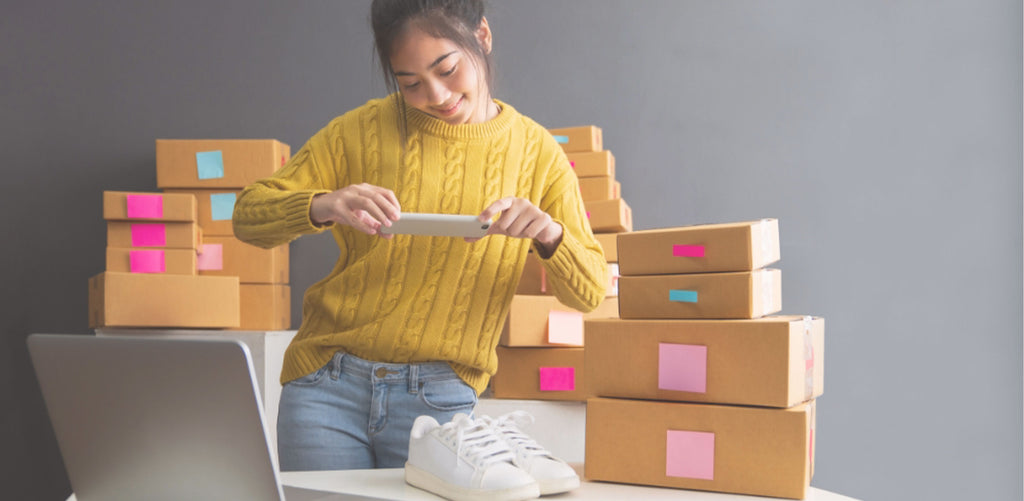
885, 136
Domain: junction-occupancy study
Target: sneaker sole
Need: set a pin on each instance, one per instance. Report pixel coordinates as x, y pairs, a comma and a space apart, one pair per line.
558, 485
430, 483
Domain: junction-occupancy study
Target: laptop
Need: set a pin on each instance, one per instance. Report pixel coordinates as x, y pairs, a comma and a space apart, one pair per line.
144, 418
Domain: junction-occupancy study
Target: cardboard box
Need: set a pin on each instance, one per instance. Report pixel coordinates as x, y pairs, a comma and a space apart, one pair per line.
172, 235
265, 307
608, 242
609, 216
725, 448
700, 249
169, 261
540, 374
770, 361
543, 321
578, 139
138, 206
152, 300
215, 208
594, 189
217, 163
229, 256
592, 163
743, 294
534, 278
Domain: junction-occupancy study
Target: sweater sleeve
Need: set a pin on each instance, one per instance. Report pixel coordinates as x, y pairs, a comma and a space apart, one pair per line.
577, 271
275, 210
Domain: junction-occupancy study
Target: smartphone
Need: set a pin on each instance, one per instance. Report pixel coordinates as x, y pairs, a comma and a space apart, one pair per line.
437, 225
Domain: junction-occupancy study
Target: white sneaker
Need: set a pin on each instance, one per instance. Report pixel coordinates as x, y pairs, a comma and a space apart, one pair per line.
464, 460
552, 474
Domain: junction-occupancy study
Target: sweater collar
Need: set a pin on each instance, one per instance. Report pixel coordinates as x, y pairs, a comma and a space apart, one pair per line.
433, 126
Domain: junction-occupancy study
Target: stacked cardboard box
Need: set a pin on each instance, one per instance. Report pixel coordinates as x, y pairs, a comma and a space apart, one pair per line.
192, 271
698, 387
540, 353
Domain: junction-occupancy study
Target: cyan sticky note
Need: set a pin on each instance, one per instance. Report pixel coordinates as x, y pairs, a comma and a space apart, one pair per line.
562, 139
682, 367
210, 164
210, 257
690, 454
681, 296
222, 205
557, 378
147, 261
149, 235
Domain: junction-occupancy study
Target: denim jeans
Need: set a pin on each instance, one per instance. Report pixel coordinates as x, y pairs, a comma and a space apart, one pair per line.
354, 413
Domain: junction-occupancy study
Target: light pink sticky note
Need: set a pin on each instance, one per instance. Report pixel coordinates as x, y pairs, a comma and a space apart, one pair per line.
682, 367
145, 206
211, 257
688, 250
557, 378
565, 327
147, 261
690, 454
149, 235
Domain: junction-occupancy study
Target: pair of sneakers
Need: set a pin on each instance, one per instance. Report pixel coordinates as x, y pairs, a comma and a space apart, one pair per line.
484, 459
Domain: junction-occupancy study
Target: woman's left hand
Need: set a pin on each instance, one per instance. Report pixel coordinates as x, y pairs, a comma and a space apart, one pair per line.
521, 219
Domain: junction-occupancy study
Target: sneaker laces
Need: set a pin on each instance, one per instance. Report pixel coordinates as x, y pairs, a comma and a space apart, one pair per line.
509, 427
475, 442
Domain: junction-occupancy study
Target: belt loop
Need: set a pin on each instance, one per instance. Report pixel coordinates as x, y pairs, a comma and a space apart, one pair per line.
336, 365
414, 378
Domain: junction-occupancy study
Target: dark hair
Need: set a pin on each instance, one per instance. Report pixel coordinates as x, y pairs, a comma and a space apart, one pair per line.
455, 20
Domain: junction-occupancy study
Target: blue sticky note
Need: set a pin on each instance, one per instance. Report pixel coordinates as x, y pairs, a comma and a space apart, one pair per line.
210, 164
222, 205
681, 296
562, 139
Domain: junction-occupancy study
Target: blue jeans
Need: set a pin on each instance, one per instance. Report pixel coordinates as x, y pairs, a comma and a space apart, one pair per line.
354, 413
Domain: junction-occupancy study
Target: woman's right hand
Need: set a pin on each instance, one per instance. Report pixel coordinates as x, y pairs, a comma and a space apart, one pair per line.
364, 207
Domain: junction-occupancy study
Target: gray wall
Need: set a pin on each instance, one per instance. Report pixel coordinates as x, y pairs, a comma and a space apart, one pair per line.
885, 136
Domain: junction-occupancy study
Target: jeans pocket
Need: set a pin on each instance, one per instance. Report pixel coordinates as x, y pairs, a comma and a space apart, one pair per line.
448, 395
312, 379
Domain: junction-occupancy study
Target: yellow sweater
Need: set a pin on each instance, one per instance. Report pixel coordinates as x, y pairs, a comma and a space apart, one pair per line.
415, 298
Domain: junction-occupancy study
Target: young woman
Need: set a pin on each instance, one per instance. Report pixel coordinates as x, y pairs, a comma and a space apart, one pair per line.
407, 325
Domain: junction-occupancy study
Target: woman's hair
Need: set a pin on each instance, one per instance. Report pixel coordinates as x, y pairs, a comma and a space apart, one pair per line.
455, 20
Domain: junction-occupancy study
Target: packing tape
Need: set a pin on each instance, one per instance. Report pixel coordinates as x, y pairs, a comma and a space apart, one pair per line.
808, 344
767, 290
543, 279
766, 244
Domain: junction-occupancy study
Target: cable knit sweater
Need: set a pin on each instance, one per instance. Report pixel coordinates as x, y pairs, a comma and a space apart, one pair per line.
416, 298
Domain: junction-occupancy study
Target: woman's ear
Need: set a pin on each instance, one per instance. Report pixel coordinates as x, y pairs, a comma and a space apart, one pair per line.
483, 35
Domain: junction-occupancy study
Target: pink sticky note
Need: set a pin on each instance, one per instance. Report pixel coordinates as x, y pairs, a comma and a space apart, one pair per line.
572, 164
145, 206
557, 378
588, 214
149, 235
147, 261
211, 257
688, 250
690, 454
682, 367
565, 327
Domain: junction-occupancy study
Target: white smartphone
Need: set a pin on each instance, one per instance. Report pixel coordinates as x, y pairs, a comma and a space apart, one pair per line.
437, 225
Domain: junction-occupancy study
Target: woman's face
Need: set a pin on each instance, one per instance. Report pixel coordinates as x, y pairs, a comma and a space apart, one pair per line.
439, 78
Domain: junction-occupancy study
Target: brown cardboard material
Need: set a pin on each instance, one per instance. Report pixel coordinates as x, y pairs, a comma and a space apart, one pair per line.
152, 300
265, 307
527, 321
759, 451
245, 161
609, 216
534, 278
579, 139
608, 242
178, 235
176, 261
594, 189
592, 163
519, 373
741, 246
210, 226
176, 207
744, 294
772, 361
249, 263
